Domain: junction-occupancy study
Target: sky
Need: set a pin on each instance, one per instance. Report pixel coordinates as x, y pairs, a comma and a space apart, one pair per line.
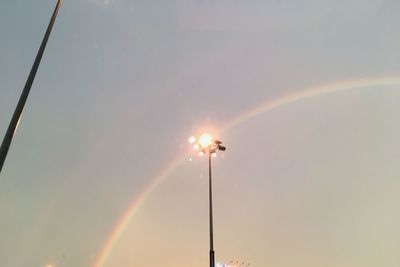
308, 179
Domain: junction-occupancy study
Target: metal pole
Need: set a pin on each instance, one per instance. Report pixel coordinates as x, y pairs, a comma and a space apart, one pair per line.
12, 127
212, 258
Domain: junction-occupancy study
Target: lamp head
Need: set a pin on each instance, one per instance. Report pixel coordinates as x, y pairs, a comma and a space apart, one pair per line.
206, 144
205, 140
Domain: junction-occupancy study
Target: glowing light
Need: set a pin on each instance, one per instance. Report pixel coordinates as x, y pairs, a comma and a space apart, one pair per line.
196, 146
192, 139
214, 155
201, 153
205, 140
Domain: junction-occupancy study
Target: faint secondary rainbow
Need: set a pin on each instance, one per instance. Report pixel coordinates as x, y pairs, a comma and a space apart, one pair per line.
274, 103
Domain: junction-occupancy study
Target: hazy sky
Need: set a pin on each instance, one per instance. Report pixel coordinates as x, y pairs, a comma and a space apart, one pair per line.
124, 83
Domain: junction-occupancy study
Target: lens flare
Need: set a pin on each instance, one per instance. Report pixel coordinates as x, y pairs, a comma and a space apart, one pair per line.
192, 139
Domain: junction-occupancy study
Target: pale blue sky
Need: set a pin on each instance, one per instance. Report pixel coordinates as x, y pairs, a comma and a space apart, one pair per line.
123, 84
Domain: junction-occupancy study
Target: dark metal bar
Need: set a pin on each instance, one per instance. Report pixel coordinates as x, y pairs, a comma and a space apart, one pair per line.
12, 127
212, 257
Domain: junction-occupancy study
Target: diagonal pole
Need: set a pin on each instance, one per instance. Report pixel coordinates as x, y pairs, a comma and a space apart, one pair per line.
12, 127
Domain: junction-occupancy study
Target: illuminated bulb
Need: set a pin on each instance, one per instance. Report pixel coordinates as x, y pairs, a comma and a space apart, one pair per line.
192, 139
196, 146
214, 154
201, 153
205, 140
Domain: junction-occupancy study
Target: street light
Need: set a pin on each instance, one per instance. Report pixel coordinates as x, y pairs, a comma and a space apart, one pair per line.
205, 144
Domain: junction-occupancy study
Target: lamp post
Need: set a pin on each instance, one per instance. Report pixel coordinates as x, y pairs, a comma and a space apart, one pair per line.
207, 145
12, 127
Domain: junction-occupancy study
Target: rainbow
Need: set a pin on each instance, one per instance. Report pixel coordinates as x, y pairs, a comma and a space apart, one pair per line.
131, 211
275, 103
304, 94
